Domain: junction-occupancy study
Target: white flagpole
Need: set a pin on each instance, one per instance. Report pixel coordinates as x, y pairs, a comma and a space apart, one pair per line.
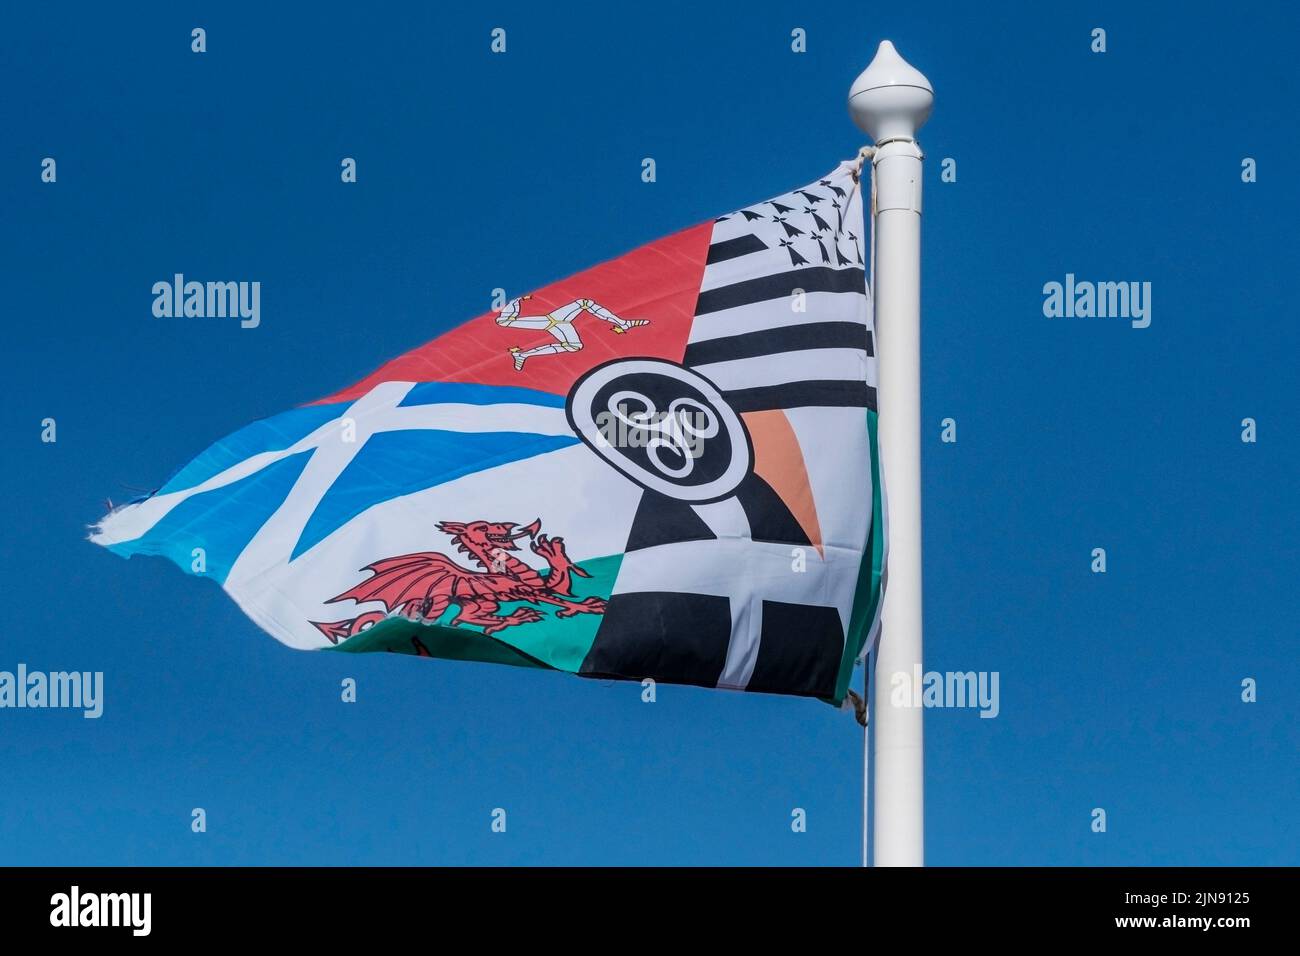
889, 102
866, 760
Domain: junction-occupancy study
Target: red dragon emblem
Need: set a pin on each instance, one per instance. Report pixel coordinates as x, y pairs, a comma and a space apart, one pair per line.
422, 586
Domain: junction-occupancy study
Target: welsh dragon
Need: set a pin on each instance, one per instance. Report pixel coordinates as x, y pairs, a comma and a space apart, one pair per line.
422, 586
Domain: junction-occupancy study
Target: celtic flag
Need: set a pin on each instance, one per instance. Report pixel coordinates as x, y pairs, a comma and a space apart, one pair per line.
662, 467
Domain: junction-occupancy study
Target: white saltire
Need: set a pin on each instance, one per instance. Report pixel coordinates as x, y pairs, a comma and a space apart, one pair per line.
376, 411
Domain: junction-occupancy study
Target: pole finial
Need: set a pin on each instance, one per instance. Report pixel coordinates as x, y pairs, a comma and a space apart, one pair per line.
891, 98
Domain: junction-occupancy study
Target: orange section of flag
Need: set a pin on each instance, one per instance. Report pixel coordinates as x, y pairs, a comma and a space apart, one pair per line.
778, 460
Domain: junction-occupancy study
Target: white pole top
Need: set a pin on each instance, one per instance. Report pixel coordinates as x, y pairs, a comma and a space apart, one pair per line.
891, 99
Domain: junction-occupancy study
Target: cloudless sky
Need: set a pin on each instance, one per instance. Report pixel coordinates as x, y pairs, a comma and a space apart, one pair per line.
1119, 691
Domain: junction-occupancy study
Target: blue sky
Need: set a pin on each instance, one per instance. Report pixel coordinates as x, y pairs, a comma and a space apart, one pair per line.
1119, 691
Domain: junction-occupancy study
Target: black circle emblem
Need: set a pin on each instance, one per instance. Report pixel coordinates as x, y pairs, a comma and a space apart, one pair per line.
664, 426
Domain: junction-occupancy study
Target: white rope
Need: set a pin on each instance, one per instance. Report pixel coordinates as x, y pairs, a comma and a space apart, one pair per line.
864, 154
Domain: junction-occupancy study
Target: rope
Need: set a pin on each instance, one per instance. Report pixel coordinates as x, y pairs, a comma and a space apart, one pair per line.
864, 154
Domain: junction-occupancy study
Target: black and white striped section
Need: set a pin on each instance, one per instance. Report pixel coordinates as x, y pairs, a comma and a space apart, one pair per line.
765, 345
772, 334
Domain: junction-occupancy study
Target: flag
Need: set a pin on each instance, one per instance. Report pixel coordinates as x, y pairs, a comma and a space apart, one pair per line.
662, 467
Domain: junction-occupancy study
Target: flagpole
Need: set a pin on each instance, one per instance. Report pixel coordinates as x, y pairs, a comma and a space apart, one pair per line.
889, 102
866, 759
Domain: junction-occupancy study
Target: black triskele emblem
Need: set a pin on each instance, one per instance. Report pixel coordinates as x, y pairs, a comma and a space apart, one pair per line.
664, 426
